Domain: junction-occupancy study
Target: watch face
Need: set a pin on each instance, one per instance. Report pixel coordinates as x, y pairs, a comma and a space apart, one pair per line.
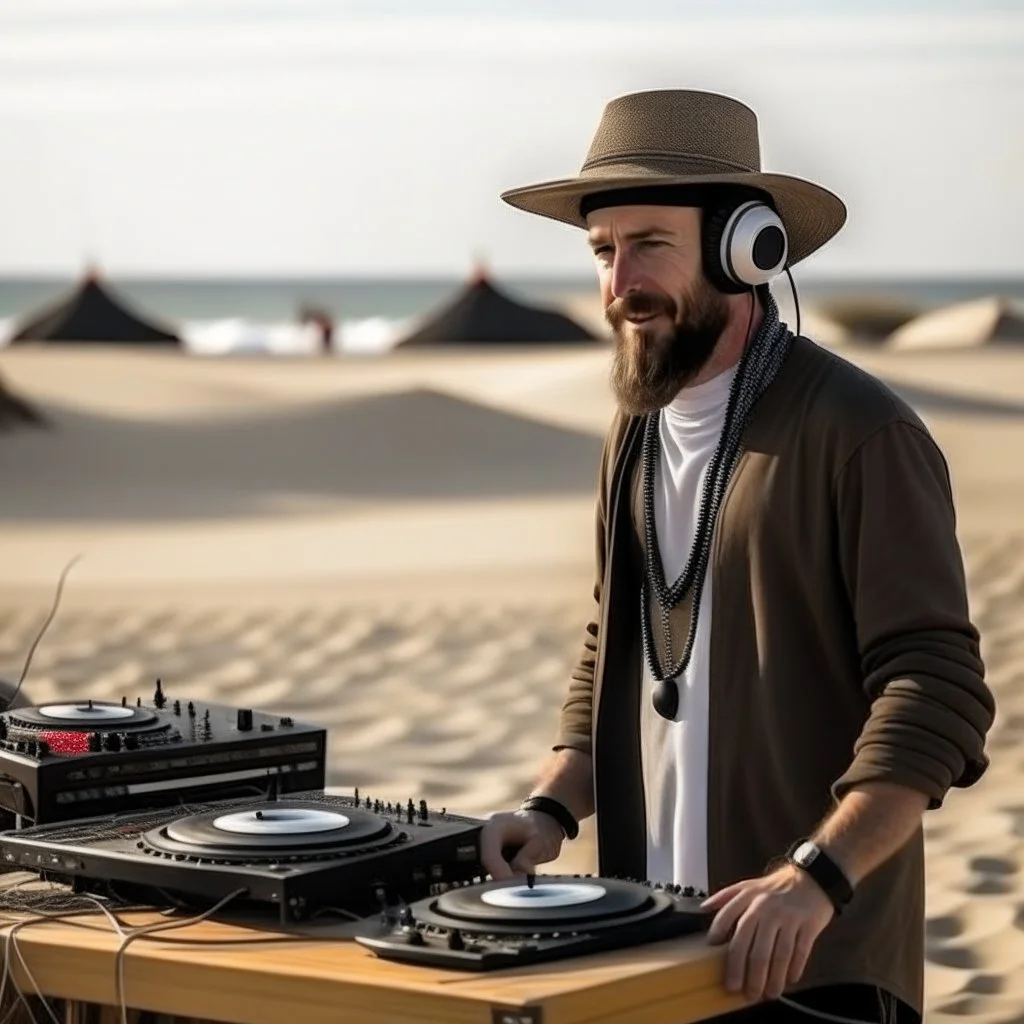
805, 854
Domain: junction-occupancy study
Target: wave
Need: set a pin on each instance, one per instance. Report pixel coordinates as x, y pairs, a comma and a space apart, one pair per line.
240, 336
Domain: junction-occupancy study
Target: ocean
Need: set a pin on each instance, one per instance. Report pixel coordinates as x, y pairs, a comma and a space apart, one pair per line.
224, 314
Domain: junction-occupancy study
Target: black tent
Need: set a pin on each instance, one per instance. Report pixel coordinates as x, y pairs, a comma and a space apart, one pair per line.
481, 314
92, 313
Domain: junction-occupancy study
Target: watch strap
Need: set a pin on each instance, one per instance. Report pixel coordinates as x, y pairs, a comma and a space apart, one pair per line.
825, 871
555, 809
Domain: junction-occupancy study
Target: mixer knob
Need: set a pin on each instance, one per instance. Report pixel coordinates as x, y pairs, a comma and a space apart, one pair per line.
286, 721
112, 741
455, 940
138, 702
177, 707
131, 742
424, 813
94, 742
124, 702
410, 812
158, 696
42, 748
405, 917
191, 710
32, 748
244, 719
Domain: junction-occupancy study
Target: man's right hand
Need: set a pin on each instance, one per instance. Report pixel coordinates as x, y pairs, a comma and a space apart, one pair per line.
535, 837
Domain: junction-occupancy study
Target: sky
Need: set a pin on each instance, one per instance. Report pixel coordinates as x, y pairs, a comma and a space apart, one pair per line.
328, 138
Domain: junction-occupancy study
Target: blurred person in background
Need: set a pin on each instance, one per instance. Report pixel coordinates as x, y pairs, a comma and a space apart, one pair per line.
779, 673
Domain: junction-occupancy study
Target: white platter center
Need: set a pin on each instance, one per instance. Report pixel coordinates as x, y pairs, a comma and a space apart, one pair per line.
543, 895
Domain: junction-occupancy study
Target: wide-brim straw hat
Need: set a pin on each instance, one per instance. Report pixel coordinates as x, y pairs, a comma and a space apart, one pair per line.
685, 137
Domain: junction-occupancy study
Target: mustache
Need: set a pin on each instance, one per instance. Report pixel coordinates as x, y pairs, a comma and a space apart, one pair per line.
639, 304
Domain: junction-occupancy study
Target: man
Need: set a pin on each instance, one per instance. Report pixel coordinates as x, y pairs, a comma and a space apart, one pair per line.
779, 675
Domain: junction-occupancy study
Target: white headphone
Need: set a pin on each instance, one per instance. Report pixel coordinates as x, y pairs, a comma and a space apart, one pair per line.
744, 246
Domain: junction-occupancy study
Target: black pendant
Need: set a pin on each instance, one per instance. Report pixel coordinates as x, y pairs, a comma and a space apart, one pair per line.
666, 698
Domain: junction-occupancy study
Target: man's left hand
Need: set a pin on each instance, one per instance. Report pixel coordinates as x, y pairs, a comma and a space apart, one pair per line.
773, 922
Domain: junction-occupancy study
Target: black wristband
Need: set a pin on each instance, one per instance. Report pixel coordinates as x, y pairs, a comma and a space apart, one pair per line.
810, 857
546, 805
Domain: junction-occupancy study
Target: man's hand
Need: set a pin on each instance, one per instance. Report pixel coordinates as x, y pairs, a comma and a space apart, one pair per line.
536, 836
774, 922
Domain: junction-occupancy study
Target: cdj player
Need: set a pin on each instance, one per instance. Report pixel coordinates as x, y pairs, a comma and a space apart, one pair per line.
300, 855
60, 762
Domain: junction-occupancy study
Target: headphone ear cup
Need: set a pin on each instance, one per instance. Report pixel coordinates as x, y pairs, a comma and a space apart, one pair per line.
743, 246
713, 227
755, 245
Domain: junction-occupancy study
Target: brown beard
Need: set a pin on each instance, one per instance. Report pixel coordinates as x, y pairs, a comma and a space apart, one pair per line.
651, 364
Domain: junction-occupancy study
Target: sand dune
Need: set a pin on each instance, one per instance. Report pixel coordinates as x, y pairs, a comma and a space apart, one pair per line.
410, 445
401, 550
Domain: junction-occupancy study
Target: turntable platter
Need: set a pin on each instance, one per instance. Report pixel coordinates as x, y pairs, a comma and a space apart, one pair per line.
290, 828
88, 713
281, 821
552, 902
85, 715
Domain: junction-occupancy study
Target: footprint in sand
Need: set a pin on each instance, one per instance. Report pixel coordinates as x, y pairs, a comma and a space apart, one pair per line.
992, 875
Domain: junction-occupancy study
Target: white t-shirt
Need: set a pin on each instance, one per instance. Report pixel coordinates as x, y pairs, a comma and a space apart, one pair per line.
675, 754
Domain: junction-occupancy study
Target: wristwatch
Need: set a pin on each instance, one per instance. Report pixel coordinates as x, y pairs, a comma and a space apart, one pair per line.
810, 857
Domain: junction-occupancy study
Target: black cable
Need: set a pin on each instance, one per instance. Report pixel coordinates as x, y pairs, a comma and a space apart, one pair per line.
45, 627
796, 300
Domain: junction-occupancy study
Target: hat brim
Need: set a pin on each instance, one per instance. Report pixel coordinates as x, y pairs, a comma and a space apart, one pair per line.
812, 214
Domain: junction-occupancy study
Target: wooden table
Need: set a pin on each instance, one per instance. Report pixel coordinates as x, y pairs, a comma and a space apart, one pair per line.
215, 971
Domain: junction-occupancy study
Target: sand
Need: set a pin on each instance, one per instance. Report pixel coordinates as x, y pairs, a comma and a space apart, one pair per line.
400, 548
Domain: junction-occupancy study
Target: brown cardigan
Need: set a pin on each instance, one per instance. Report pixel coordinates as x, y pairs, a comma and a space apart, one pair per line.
841, 650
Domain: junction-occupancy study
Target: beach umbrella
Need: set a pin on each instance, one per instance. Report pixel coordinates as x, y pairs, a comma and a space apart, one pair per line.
482, 314
92, 312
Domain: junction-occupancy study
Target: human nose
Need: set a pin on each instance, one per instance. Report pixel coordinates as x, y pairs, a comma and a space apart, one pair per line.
625, 277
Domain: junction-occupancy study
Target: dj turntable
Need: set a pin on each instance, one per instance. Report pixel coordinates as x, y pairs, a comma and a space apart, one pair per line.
59, 762
490, 925
303, 854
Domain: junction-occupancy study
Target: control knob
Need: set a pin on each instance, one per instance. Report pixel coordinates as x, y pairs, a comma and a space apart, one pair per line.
244, 722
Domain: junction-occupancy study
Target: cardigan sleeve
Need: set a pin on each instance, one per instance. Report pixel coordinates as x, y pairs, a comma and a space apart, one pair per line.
930, 707
576, 718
